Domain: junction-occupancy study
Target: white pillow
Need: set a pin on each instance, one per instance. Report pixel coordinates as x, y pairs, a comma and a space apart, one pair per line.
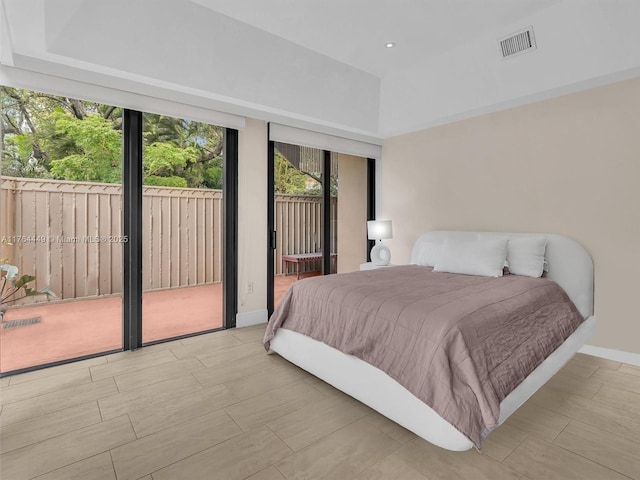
484, 257
429, 253
525, 256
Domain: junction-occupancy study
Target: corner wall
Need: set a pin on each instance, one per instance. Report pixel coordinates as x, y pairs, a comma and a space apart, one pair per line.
569, 165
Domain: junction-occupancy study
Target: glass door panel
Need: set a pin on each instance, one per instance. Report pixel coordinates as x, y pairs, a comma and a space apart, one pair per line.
60, 225
182, 227
297, 215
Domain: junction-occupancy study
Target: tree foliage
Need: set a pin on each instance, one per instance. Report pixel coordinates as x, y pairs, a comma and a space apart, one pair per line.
45, 136
85, 150
291, 181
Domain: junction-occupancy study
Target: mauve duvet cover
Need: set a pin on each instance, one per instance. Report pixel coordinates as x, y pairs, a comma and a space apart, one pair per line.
459, 343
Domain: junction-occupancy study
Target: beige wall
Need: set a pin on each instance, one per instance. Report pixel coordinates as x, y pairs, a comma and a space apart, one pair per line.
252, 216
352, 212
569, 165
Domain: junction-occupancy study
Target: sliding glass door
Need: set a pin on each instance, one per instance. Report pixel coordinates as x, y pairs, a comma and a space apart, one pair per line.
313, 231
98, 206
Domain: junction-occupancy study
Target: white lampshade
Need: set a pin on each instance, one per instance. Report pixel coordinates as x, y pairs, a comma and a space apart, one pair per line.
379, 229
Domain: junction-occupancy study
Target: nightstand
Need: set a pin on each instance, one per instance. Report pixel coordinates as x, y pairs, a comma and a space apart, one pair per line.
371, 266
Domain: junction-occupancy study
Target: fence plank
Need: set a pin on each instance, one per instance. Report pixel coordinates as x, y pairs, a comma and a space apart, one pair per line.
81, 224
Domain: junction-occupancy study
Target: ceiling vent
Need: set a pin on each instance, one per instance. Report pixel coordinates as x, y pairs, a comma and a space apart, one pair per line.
517, 43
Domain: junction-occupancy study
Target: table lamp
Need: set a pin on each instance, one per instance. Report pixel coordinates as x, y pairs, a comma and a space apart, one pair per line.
379, 230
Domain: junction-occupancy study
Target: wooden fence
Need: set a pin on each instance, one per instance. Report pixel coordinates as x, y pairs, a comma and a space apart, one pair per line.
69, 234
298, 223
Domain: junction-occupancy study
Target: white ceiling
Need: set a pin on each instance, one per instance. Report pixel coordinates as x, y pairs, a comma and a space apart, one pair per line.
355, 31
321, 64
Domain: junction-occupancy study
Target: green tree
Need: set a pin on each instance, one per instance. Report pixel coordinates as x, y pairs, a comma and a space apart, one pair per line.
48, 136
202, 141
18, 159
92, 148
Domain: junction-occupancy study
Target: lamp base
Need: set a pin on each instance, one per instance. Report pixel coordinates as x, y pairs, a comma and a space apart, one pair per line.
380, 255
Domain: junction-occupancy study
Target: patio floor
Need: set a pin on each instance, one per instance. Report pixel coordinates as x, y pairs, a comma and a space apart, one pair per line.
84, 327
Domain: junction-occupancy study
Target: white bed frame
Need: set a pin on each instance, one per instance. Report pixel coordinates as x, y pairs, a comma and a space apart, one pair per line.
569, 265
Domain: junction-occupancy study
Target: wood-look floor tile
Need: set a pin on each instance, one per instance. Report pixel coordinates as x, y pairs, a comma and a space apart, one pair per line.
630, 369
235, 459
391, 428
548, 398
269, 473
502, 441
57, 370
343, 454
622, 399
156, 417
222, 356
22, 391
98, 467
254, 333
436, 463
59, 400
589, 361
538, 459
265, 380
620, 379
323, 386
265, 408
195, 349
135, 361
232, 371
132, 400
392, 467
575, 385
310, 423
618, 453
538, 421
157, 373
17, 435
63, 450
579, 370
158, 450
213, 342
594, 413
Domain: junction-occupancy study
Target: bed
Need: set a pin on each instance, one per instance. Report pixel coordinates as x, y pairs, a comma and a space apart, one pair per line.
568, 265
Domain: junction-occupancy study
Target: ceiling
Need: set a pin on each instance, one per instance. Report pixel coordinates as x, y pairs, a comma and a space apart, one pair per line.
355, 31
322, 64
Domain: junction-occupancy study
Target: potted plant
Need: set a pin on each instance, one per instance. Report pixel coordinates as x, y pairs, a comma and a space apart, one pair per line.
15, 287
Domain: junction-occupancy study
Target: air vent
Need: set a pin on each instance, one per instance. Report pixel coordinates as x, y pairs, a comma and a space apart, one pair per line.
517, 43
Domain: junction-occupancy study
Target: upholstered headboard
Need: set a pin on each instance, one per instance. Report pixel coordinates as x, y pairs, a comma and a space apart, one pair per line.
569, 264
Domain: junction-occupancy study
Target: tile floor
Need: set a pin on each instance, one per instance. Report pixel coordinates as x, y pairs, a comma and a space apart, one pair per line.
217, 407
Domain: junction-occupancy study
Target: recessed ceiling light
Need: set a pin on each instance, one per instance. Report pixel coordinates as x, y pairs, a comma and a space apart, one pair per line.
390, 44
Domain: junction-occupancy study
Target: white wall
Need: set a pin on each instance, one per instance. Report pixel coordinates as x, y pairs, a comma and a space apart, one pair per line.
195, 54
252, 222
352, 212
580, 44
569, 165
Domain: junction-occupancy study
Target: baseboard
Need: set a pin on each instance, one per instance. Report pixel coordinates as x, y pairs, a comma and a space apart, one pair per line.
611, 354
254, 317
